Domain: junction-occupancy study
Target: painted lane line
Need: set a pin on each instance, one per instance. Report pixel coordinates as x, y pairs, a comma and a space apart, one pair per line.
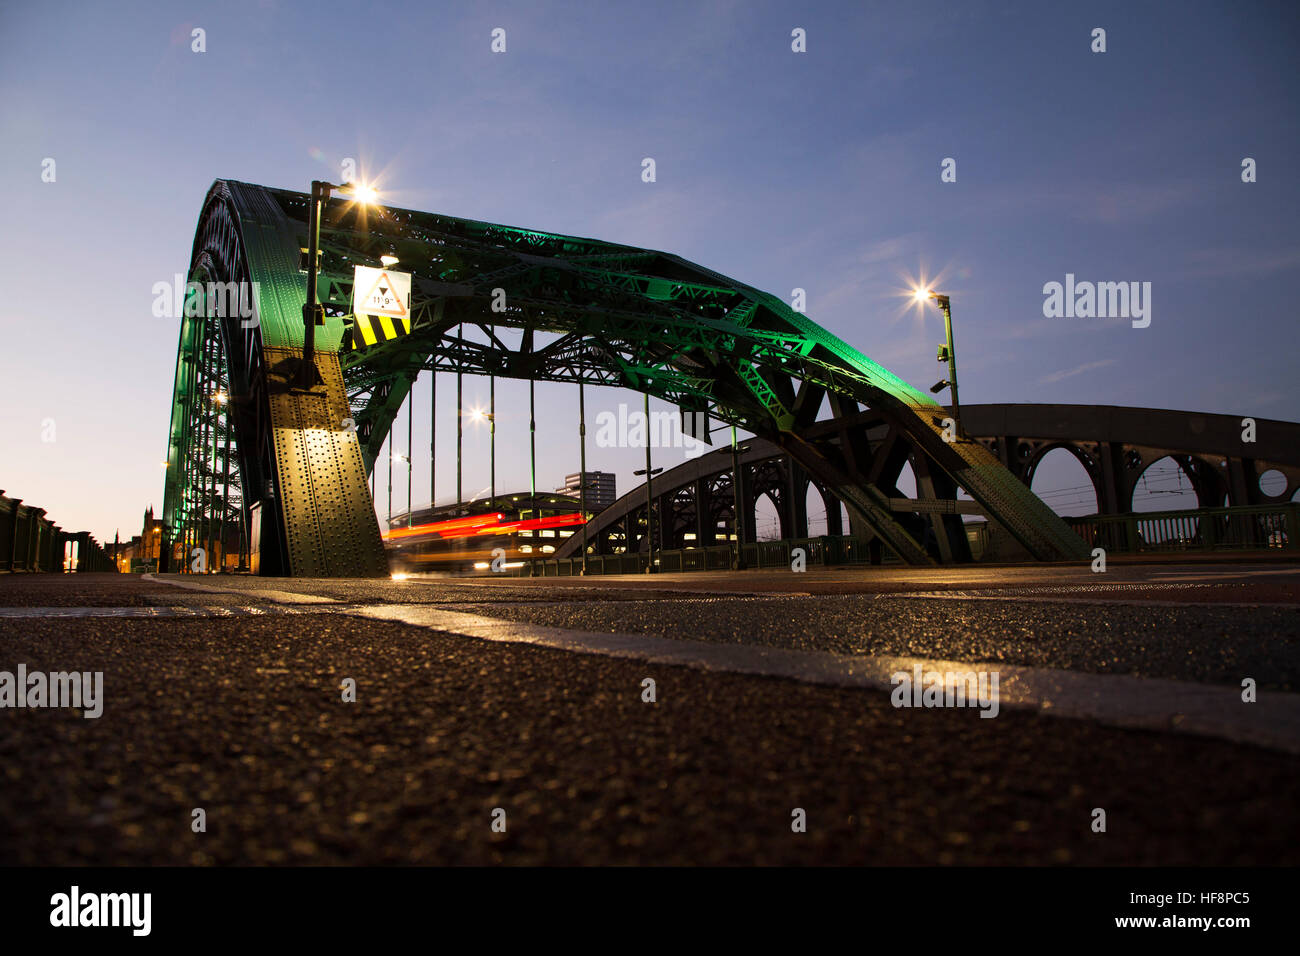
19, 613
1117, 600
1118, 700
1122, 701
613, 586
278, 597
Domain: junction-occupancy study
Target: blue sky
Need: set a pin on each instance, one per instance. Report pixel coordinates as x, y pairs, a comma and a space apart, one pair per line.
817, 170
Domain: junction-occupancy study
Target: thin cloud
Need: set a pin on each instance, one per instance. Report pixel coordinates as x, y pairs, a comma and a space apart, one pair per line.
1070, 373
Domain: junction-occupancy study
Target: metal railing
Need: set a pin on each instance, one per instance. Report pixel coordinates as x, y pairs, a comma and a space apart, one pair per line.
1245, 528
31, 542
829, 550
1254, 527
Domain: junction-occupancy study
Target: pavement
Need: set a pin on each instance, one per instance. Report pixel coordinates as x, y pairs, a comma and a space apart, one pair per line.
491, 696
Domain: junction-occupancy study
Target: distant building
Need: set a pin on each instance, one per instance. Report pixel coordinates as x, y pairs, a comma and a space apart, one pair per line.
601, 492
147, 548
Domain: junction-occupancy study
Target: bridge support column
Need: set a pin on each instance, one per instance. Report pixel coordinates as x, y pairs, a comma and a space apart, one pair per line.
1111, 481
745, 520
1243, 486
704, 528
797, 485
322, 496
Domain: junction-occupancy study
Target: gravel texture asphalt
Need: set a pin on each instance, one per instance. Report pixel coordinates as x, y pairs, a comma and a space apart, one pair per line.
243, 717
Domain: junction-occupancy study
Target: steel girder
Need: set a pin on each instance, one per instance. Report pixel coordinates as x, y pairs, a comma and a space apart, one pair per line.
561, 308
299, 461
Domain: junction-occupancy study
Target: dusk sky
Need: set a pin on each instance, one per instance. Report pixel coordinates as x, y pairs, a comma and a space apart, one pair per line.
817, 170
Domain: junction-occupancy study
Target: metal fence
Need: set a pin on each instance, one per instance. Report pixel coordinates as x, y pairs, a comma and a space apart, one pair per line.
829, 550
1256, 527
31, 542
1247, 528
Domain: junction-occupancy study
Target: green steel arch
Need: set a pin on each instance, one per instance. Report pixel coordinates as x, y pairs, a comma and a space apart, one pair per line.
584, 311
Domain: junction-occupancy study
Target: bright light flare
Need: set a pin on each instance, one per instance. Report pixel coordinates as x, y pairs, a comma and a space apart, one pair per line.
399, 576
920, 294
366, 195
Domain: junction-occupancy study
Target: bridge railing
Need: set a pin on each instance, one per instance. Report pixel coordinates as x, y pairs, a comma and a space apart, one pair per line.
1246, 528
1256, 527
828, 550
31, 542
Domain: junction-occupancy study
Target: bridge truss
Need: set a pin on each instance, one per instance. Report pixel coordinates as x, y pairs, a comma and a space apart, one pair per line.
545, 307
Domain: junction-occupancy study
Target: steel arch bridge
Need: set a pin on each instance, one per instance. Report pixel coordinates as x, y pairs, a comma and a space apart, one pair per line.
585, 311
1114, 445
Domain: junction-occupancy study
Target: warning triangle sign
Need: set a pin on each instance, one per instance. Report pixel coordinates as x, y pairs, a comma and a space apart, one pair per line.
380, 292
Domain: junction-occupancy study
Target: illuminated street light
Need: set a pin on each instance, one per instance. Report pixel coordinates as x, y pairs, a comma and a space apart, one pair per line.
395, 456
478, 415
388, 261
947, 352
312, 312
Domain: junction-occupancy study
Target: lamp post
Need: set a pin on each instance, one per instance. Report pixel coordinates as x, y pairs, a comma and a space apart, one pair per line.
649, 473
582, 469
460, 419
478, 415
947, 352
410, 450
649, 511
312, 312
397, 456
737, 521
492, 420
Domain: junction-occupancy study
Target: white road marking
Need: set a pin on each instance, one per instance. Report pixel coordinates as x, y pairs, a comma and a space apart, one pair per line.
1134, 702
1102, 595
1199, 575
1122, 701
145, 612
278, 597
608, 583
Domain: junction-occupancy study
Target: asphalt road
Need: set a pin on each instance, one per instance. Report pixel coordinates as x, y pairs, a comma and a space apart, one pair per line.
231, 702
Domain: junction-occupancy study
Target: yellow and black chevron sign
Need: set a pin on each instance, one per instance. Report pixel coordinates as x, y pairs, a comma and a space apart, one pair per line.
367, 330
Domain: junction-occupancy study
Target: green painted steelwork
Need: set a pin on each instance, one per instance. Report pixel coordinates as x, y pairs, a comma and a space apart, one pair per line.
570, 309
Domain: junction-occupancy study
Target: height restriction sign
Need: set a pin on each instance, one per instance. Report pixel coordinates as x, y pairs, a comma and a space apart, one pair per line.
381, 292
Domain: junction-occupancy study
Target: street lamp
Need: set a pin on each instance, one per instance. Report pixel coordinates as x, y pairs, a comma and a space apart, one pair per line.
312, 312
490, 416
737, 522
649, 508
947, 352
396, 456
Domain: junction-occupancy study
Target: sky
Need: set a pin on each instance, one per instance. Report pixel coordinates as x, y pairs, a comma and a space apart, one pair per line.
819, 170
